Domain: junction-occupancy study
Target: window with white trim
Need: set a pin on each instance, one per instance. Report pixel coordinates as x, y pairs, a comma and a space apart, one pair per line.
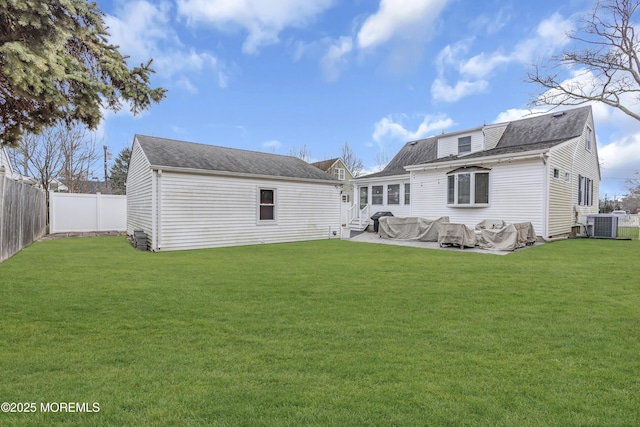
376, 195
464, 144
468, 187
339, 173
585, 191
589, 139
407, 193
267, 204
393, 194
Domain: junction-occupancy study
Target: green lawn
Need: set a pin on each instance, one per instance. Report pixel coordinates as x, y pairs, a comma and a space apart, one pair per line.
327, 333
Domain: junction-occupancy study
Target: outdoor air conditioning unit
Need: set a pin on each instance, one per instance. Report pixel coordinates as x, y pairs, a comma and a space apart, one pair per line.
602, 226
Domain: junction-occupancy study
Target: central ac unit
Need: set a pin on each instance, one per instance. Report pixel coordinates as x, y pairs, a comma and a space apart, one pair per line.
602, 226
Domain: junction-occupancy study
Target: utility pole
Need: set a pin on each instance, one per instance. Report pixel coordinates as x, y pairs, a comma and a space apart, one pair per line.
106, 185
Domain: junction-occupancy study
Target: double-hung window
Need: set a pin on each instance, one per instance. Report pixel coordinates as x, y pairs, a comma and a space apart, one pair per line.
407, 194
267, 204
464, 144
585, 191
393, 194
589, 139
339, 173
376, 195
468, 187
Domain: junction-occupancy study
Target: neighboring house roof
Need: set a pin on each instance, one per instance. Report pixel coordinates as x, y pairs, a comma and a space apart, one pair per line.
528, 134
169, 153
325, 165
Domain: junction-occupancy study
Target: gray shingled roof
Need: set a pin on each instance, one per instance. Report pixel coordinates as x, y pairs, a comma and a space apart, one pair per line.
413, 153
556, 127
167, 153
528, 134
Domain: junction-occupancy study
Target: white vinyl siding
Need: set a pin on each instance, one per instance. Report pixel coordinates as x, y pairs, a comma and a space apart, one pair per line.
139, 193
516, 193
449, 145
560, 191
202, 211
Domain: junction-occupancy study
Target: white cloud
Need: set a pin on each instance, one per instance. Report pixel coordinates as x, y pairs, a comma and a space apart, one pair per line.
262, 20
517, 114
473, 72
143, 30
404, 18
441, 91
390, 129
621, 154
333, 61
186, 84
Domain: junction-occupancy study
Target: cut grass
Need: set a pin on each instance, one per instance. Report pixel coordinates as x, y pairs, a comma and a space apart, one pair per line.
323, 333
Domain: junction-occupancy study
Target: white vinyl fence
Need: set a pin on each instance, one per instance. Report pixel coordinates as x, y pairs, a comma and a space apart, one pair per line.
70, 212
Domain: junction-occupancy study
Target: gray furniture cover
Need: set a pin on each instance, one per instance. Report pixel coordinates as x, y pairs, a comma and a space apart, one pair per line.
508, 238
457, 235
411, 228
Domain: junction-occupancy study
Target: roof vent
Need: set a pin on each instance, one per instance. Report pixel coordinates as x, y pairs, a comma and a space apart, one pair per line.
413, 142
558, 114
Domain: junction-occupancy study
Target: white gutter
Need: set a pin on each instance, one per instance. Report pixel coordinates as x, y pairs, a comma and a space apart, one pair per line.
480, 161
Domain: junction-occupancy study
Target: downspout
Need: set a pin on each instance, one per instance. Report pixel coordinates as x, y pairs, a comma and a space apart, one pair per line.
159, 194
154, 210
545, 198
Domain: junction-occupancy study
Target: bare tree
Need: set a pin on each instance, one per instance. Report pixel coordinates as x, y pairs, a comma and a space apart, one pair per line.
79, 153
381, 159
303, 153
57, 154
605, 54
351, 160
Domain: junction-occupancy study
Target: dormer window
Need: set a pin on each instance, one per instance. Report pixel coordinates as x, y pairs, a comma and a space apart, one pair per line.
464, 144
339, 173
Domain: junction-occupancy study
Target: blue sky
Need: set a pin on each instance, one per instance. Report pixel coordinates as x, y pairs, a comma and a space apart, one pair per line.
278, 75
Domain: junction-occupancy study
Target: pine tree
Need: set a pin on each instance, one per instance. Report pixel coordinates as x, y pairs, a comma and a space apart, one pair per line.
119, 170
56, 66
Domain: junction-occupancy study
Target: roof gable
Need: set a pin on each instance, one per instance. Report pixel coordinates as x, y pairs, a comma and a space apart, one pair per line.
169, 153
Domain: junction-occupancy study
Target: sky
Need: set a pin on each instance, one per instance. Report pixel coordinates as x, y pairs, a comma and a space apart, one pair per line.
282, 75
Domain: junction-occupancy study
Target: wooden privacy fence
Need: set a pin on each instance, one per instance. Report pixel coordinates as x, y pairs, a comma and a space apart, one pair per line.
23, 215
75, 212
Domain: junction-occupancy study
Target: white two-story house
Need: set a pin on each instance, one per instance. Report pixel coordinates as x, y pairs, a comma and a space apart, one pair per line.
542, 169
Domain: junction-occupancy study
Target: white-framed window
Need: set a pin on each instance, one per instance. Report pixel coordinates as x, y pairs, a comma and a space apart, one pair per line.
376, 194
468, 187
407, 193
556, 173
585, 191
364, 197
464, 144
339, 174
393, 194
589, 139
346, 198
567, 177
267, 205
